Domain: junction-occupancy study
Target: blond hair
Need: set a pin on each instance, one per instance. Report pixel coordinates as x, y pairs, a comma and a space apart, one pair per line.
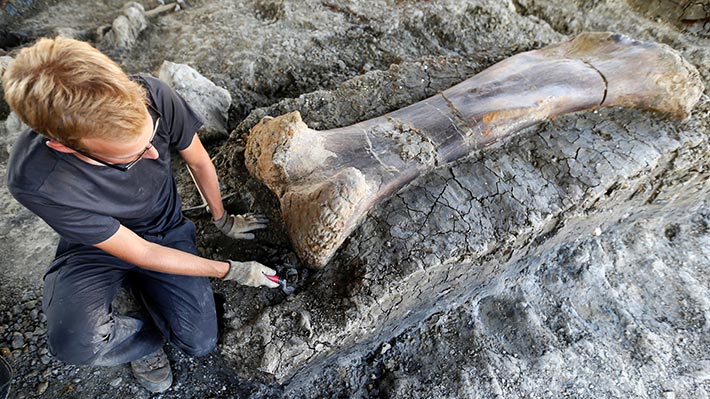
67, 90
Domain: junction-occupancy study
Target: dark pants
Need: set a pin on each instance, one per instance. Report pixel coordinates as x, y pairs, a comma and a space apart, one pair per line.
81, 284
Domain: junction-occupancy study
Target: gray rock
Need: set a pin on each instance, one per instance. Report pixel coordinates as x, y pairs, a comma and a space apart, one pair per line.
125, 28
18, 341
209, 101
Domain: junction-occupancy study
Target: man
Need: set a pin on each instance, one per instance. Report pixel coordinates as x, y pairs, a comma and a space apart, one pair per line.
95, 165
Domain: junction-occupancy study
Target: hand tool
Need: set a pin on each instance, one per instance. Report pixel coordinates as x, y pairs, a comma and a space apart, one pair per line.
282, 282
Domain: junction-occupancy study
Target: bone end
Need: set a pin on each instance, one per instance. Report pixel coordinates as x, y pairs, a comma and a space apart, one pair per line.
320, 217
319, 210
269, 148
660, 79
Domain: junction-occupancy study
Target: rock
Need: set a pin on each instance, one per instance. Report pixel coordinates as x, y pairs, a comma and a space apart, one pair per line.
18, 341
124, 31
4, 108
42, 387
209, 101
13, 126
116, 382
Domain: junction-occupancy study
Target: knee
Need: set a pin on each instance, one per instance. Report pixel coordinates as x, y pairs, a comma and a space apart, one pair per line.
200, 345
73, 346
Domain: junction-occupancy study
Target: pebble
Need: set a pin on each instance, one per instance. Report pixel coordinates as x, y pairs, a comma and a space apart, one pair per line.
42, 387
116, 382
669, 395
18, 341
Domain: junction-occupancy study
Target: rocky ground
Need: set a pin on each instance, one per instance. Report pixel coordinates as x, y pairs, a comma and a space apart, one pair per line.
569, 262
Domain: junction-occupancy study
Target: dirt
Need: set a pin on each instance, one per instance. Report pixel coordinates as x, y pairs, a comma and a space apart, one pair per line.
568, 262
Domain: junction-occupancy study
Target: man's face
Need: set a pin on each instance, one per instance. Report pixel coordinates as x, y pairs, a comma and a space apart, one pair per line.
123, 151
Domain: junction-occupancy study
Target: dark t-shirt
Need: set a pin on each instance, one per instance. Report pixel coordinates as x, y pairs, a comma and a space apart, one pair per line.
85, 203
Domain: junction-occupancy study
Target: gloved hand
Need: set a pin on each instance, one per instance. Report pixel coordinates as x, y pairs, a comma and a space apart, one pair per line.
238, 226
252, 274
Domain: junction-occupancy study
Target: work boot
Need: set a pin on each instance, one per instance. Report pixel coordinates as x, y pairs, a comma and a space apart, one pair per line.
153, 371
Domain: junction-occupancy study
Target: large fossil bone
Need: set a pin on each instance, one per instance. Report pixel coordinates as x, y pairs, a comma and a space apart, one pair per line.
327, 181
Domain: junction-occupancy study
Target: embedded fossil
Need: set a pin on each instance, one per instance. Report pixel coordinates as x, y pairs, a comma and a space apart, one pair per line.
327, 181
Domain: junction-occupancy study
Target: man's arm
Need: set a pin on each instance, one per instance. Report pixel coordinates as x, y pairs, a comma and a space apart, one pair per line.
127, 245
205, 174
202, 168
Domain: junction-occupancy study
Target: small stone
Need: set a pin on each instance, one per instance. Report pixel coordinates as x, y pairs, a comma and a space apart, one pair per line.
45, 359
30, 305
18, 341
386, 347
34, 313
597, 232
669, 395
116, 382
42, 387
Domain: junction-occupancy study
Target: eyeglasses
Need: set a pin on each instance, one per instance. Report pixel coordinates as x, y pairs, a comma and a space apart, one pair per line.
126, 166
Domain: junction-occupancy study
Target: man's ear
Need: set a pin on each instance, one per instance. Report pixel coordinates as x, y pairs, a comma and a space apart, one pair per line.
59, 147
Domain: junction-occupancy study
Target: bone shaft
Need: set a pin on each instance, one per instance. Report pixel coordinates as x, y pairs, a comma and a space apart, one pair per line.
502, 101
496, 104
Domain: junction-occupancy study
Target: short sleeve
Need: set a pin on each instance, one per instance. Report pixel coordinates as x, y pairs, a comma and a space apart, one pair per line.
74, 225
177, 116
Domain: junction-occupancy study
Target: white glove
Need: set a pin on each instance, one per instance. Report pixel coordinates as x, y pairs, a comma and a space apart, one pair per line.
252, 274
238, 226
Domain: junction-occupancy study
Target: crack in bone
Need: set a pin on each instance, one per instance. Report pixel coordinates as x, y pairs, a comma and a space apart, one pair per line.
606, 82
458, 117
